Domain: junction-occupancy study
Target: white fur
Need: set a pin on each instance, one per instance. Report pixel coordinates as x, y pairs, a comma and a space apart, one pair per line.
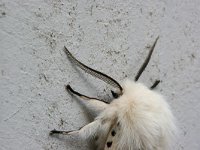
145, 118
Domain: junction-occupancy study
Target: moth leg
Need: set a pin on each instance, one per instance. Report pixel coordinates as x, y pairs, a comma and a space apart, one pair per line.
155, 84
61, 132
95, 104
85, 131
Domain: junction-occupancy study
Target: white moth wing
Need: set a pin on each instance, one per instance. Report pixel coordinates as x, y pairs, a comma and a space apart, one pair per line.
113, 137
103, 132
100, 140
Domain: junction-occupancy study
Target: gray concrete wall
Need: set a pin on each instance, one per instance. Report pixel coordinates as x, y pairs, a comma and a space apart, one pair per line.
111, 36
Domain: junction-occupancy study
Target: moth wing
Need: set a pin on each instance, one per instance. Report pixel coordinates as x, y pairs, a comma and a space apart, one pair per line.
113, 138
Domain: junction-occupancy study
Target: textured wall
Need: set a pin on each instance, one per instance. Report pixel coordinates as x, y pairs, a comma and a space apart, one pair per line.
112, 36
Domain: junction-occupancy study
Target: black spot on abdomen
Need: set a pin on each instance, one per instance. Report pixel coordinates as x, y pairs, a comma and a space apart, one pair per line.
113, 133
109, 144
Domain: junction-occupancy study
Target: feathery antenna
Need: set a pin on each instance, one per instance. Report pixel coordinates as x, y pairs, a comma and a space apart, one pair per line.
144, 65
93, 72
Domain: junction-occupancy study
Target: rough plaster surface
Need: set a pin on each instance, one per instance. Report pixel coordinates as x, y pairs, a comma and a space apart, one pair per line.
111, 36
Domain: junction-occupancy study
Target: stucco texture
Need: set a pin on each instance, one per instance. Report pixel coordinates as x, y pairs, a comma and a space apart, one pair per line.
112, 36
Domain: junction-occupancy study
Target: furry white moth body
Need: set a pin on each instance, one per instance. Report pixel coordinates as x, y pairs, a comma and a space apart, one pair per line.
137, 119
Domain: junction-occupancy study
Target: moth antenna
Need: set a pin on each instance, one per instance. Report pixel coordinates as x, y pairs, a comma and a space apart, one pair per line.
94, 73
144, 65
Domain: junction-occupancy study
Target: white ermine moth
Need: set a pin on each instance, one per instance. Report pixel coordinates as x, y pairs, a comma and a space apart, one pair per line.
138, 118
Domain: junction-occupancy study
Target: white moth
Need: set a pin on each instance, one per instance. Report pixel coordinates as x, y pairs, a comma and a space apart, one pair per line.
137, 119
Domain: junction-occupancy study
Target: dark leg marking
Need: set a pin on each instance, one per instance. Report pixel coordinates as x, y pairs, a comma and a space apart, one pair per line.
109, 144
63, 132
155, 84
142, 68
59, 132
68, 88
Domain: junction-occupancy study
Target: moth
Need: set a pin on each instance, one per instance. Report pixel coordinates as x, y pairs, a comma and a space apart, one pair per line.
138, 118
